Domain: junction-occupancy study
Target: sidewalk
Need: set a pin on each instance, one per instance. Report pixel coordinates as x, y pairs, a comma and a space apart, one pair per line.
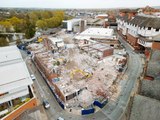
37, 113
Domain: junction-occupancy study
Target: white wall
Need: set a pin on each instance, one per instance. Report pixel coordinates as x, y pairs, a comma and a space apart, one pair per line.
19, 92
147, 33
136, 30
144, 43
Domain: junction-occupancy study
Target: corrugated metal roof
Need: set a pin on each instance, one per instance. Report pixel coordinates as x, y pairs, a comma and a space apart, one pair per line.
14, 76
9, 53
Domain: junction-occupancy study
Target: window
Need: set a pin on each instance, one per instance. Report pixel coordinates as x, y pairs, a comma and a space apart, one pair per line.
70, 96
157, 30
149, 28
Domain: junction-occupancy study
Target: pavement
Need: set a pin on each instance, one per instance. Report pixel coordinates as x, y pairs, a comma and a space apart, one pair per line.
145, 108
112, 111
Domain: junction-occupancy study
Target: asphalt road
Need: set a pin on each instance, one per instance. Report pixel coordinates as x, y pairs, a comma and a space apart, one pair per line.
112, 111
133, 72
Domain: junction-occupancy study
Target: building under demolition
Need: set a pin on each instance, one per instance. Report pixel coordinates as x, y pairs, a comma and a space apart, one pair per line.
78, 76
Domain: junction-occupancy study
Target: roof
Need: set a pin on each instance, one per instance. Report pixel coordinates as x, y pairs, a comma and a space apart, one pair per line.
146, 21
128, 10
105, 32
9, 53
102, 15
55, 39
124, 18
72, 20
11, 80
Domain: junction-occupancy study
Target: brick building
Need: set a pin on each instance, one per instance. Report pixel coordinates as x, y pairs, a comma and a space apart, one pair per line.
139, 29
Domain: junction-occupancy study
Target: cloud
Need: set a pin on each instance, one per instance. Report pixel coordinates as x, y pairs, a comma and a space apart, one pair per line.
78, 3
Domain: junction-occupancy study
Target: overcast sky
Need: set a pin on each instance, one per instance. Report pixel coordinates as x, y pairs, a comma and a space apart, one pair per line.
78, 3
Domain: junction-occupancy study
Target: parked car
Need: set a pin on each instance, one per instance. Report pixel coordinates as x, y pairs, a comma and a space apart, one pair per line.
33, 77
46, 104
28, 52
60, 118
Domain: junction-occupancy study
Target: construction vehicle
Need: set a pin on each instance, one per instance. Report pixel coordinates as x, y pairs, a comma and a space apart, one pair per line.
86, 74
40, 39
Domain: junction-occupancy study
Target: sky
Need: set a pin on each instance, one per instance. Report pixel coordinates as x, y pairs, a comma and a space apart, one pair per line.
78, 3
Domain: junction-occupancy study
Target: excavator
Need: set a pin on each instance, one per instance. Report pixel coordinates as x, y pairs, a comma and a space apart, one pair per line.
86, 74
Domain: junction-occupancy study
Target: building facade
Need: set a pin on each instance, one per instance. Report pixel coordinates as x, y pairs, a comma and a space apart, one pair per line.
139, 29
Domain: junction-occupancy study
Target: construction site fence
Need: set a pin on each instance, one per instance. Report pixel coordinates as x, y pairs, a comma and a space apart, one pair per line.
88, 111
100, 104
50, 86
57, 99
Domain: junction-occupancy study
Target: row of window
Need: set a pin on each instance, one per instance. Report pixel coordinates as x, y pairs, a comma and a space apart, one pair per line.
149, 28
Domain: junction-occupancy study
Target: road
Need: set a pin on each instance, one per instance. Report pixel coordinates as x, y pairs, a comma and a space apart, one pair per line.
134, 71
113, 110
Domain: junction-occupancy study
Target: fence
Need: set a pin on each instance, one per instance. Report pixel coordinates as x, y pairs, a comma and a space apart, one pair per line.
50, 86
99, 104
88, 111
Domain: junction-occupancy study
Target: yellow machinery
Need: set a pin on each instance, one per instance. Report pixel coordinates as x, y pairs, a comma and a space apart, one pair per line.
40, 39
87, 75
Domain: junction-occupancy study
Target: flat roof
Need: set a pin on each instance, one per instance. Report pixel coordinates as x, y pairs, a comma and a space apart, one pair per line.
104, 32
105, 15
14, 76
55, 39
9, 53
72, 20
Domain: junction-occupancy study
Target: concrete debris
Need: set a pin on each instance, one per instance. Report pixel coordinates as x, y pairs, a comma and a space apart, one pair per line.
78, 77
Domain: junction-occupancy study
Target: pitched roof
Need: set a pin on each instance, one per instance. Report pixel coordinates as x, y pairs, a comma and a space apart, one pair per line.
124, 18
11, 80
151, 22
137, 20
144, 21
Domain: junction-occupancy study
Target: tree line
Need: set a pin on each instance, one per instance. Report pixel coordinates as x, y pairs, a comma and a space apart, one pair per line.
28, 22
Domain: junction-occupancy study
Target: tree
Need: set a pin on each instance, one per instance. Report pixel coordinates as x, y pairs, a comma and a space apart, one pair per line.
41, 24
29, 28
3, 42
45, 15
18, 42
17, 23
33, 17
6, 25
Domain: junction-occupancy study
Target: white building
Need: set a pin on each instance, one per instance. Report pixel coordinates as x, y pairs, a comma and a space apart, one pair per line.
138, 29
94, 35
103, 33
69, 24
9, 55
15, 81
56, 41
103, 16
